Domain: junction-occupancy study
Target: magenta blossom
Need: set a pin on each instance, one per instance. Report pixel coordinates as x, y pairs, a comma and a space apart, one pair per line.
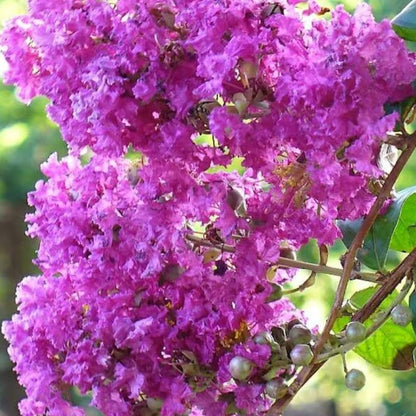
158, 261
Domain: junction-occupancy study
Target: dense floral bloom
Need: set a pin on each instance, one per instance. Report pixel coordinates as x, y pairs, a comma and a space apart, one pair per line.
157, 259
136, 302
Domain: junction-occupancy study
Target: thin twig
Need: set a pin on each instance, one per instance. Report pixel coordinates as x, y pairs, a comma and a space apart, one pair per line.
295, 264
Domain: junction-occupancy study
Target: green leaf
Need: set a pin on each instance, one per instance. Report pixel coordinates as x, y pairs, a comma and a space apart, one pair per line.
404, 208
402, 107
404, 24
373, 253
405, 32
391, 346
406, 105
395, 230
360, 298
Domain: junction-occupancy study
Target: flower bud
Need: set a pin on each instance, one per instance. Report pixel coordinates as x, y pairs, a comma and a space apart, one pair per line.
299, 334
301, 354
287, 253
240, 102
279, 335
355, 379
355, 332
292, 323
275, 388
240, 367
263, 338
401, 315
249, 69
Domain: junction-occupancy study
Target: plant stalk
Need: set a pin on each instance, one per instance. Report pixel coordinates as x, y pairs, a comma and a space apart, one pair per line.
295, 264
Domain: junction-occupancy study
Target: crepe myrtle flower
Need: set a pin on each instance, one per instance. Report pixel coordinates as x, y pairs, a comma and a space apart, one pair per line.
155, 100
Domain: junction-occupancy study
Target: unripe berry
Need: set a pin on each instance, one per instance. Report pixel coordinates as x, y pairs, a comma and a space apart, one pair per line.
299, 334
275, 388
355, 379
355, 332
240, 367
301, 354
401, 315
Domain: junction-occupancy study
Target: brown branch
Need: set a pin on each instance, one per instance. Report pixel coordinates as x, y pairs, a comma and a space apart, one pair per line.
386, 288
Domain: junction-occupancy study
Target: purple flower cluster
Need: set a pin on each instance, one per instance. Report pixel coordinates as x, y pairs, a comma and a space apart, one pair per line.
155, 259
126, 305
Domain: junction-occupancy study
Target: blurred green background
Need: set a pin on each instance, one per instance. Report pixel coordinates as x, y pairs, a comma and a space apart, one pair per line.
27, 137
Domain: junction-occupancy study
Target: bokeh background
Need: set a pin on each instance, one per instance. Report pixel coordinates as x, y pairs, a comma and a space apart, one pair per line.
27, 138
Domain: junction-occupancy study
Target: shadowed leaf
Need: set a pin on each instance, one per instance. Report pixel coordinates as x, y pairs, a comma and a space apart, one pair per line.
404, 24
395, 230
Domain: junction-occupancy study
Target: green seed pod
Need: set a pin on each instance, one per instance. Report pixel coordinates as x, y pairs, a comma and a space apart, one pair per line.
240, 367
355, 332
355, 379
292, 323
401, 315
279, 335
301, 354
299, 334
275, 388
